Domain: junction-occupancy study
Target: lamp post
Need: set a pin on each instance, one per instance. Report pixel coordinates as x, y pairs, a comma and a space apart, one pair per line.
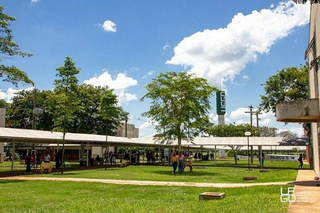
248, 134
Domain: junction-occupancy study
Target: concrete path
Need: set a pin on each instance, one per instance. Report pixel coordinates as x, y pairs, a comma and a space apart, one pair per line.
148, 183
307, 193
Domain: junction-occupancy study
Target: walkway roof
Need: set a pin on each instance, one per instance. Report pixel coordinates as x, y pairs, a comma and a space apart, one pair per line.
47, 137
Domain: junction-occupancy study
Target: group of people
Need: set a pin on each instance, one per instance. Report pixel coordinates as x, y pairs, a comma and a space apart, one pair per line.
181, 161
35, 160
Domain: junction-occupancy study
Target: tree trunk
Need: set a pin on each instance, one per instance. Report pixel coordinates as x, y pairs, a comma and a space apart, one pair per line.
235, 157
179, 148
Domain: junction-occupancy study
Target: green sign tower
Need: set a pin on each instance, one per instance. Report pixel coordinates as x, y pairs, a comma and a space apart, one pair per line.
221, 106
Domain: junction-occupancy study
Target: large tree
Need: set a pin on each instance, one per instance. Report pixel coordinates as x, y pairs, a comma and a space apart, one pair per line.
65, 98
9, 49
288, 84
20, 110
180, 103
232, 130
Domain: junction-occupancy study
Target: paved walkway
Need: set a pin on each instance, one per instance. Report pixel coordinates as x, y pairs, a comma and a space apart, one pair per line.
307, 192
148, 183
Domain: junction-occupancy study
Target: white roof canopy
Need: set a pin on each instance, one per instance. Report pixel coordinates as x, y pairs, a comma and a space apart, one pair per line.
47, 137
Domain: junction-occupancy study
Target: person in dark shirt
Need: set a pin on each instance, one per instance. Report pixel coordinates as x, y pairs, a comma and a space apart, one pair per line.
300, 161
28, 164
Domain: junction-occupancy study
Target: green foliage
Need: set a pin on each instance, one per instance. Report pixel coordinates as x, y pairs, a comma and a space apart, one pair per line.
3, 104
179, 105
232, 130
287, 135
65, 98
109, 111
20, 110
9, 49
266, 131
288, 84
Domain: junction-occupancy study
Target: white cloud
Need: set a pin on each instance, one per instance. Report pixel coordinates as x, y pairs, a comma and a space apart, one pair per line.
265, 122
120, 85
166, 46
11, 93
272, 6
241, 121
108, 26
220, 54
148, 74
239, 113
146, 125
34, 1
298, 130
245, 77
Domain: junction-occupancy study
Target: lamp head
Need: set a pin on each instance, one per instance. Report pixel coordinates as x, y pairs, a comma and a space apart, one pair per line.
247, 133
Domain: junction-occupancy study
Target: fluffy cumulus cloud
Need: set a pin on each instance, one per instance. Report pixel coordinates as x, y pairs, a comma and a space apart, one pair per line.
220, 54
7, 95
120, 85
245, 77
108, 26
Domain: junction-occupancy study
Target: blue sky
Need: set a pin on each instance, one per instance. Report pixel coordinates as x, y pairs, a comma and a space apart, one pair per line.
123, 44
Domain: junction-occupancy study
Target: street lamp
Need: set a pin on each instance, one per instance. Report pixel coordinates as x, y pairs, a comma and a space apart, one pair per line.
248, 134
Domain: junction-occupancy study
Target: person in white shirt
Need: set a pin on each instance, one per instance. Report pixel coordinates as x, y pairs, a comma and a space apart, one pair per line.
47, 158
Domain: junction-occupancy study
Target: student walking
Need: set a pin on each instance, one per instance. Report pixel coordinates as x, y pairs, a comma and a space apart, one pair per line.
174, 160
300, 161
181, 163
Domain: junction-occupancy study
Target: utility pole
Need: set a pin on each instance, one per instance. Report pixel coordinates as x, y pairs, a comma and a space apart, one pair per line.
257, 116
251, 112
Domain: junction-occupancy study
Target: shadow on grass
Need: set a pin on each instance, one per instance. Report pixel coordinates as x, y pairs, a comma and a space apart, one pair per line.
315, 183
65, 174
11, 181
185, 173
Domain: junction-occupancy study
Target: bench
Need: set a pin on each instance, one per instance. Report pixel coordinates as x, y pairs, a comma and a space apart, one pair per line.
46, 167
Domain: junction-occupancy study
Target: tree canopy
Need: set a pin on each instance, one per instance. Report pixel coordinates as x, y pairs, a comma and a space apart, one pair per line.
180, 103
232, 130
288, 84
9, 49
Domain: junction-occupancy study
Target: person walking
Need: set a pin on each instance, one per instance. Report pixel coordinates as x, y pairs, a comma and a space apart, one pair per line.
300, 161
181, 158
190, 162
174, 160
28, 164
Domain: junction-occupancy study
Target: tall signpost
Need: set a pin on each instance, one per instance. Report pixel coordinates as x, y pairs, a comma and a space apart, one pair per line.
221, 106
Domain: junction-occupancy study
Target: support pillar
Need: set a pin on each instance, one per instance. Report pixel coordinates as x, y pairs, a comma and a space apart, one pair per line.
87, 153
251, 154
12, 156
215, 155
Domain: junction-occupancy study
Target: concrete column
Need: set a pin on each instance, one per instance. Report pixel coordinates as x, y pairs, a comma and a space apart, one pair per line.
315, 141
87, 153
12, 156
2, 124
215, 155
251, 154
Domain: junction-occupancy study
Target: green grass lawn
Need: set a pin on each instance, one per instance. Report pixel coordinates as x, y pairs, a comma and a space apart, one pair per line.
229, 161
48, 196
163, 173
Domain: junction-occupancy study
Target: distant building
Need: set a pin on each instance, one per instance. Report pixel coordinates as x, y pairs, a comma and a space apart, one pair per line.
132, 131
